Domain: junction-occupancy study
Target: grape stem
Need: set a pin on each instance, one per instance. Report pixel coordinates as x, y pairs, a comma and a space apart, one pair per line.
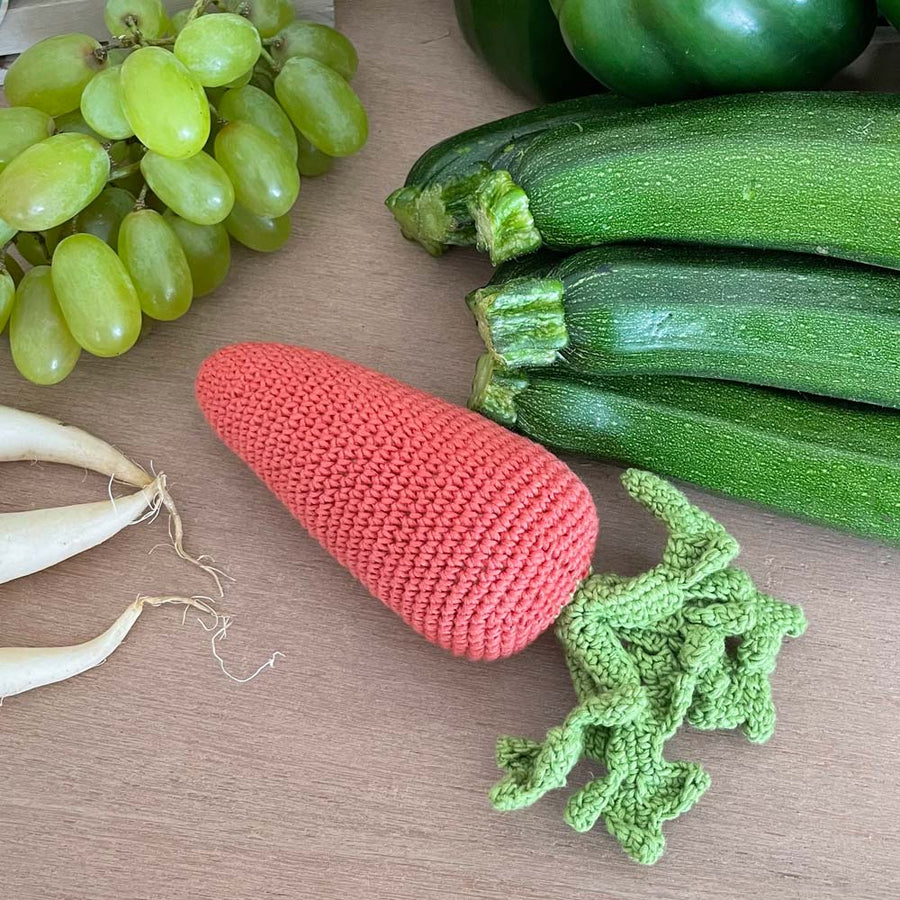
199, 7
141, 202
272, 41
136, 40
264, 54
215, 113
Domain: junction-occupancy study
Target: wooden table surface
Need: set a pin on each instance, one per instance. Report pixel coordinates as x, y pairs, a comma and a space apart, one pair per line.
360, 766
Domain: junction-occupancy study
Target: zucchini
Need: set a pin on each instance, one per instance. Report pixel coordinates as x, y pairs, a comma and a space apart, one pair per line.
784, 320
807, 172
828, 461
535, 265
432, 208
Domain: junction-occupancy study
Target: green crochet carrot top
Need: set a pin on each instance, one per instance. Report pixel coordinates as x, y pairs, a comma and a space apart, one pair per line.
691, 640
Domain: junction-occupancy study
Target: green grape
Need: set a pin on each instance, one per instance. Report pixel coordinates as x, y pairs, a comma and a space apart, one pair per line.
117, 55
319, 42
260, 233
52, 236
310, 160
52, 181
104, 216
179, 20
132, 183
31, 247
214, 95
124, 155
209, 148
96, 295
120, 153
14, 269
269, 16
151, 201
322, 106
207, 249
241, 80
127, 16
197, 189
20, 127
7, 232
250, 104
157, 264
147, 327
34, 248
51, 74
264, 176
73, 123
7, 296
101, 105
263, 78
43, 348
165, 105
218, 49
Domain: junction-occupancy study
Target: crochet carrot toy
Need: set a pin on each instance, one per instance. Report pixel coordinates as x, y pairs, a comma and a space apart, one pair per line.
480, 540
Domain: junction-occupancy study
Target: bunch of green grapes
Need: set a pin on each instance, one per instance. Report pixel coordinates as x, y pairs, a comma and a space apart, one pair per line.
126, 169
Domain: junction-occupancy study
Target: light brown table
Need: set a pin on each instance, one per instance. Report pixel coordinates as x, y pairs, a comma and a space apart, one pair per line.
359, 767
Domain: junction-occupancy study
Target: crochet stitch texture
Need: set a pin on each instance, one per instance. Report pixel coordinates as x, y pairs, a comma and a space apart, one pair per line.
690, 639
476, 537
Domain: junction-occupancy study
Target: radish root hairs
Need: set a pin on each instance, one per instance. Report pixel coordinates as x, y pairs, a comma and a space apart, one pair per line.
25, 668
37, 539
26, 436
176, 536
220, 627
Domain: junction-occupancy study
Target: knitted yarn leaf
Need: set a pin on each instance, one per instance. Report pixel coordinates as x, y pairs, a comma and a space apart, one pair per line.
692, 639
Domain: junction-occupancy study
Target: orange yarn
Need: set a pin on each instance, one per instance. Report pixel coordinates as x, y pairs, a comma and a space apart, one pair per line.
475, 536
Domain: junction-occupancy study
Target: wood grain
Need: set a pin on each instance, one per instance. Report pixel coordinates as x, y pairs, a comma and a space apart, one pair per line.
359, 767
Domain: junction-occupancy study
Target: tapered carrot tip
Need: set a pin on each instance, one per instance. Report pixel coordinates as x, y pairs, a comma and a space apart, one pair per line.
475, 536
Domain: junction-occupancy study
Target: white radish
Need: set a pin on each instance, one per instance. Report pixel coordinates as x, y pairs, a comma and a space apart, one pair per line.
26, 436
30, 437
36, 539
39, 538
25, 668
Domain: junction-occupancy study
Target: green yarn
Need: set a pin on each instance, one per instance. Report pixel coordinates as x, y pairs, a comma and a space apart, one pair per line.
692, 639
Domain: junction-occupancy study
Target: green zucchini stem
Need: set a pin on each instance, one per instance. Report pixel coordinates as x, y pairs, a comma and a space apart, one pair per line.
494, 391
407, 206
503, 222
521, 322
437, 216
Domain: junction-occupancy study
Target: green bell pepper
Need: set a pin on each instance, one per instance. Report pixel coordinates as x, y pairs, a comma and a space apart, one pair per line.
659, 50
521, 43
890, 9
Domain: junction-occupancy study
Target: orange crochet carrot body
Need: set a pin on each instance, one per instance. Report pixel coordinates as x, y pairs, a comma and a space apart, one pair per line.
475, 536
